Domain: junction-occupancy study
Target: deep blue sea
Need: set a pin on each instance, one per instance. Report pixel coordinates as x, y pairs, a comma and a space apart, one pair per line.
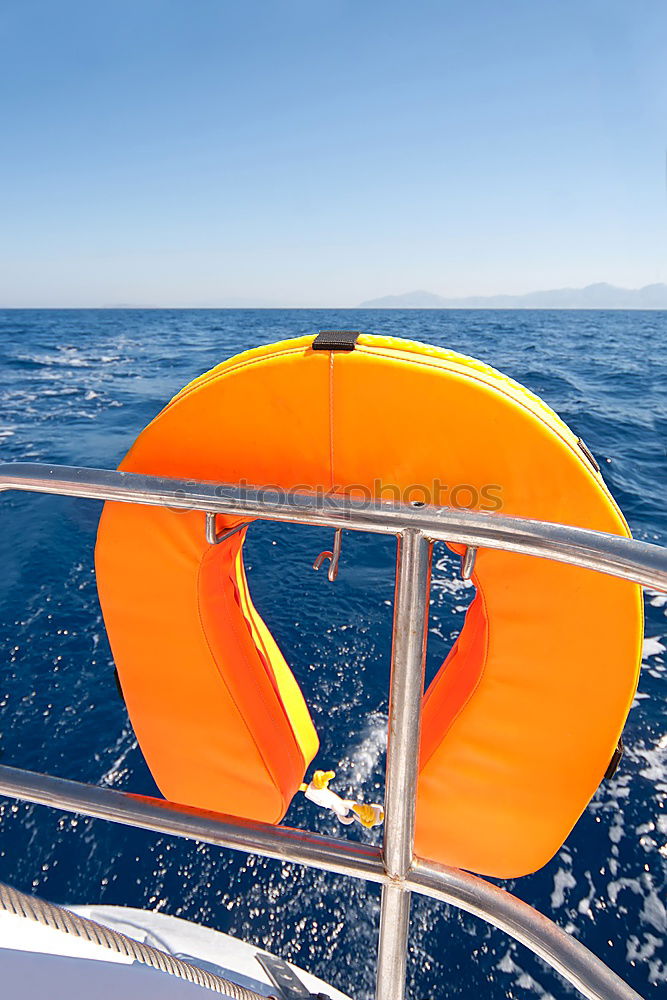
75, 388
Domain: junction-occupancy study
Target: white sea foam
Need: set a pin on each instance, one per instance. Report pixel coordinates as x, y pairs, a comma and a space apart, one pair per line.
124, 745
654, 912
653, 646
656, 598
523, 980
563, 880
655, 763
446, 578
68, 359
361, 759
644, 952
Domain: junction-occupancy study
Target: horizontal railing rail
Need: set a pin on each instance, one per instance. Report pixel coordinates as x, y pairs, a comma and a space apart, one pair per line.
466, 892
394, 867
627, 558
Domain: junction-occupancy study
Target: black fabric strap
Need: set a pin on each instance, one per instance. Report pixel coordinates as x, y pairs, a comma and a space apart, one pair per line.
335, 340
615, 760
588, 453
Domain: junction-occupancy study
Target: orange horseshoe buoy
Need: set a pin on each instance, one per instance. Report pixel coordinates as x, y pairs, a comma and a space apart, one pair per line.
522, 720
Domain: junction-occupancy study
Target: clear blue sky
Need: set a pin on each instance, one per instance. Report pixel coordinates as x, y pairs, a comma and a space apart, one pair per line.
321, 152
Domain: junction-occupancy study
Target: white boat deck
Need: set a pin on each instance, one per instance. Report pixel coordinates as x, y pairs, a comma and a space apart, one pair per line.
38, 961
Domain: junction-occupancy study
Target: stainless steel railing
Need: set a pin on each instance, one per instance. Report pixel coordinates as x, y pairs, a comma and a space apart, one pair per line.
395, 867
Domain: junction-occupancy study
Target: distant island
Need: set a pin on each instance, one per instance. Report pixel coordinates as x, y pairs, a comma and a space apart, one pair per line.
598, 296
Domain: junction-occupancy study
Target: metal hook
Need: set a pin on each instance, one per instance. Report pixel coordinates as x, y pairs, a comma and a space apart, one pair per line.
468, 562
334, 556
212, 537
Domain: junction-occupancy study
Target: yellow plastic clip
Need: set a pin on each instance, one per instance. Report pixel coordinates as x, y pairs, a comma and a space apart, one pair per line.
369, 815
320, 781
347, 810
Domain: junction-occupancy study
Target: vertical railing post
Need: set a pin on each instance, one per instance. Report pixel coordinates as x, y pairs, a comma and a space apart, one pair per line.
411, 603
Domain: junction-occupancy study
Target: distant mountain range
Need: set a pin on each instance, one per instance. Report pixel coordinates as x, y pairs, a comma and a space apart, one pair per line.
598, 296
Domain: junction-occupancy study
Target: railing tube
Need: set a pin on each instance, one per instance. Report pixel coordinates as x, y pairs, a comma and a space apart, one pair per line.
626, 558
413, 574
558, 949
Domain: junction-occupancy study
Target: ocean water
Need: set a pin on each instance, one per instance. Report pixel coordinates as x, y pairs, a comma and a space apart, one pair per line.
75, 388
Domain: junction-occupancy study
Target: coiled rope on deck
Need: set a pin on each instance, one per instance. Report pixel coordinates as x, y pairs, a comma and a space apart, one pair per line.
58, 918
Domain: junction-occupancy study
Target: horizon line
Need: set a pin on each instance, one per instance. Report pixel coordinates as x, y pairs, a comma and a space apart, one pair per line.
364, 308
